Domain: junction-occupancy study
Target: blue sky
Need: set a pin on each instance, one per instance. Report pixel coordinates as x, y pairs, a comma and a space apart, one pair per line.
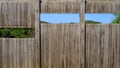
66, 18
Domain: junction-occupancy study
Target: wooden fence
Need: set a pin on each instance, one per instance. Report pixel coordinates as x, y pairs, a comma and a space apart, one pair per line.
17, 15
75, 6
80, 45
61, 46
20, 52
103, 46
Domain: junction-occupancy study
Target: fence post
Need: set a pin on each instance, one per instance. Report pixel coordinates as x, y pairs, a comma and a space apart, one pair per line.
82, 36
37, 33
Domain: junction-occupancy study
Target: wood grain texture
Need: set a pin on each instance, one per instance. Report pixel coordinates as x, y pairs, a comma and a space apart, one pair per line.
0, 54
82, 35
60, 7
51, 6
103, 7
37, 33
60, 46
18, 53
102, 42
17, 15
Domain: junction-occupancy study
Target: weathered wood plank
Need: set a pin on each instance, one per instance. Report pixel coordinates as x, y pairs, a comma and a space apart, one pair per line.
0, 53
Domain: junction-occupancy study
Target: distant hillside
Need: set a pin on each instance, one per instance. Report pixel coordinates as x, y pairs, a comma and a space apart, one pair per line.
86, 21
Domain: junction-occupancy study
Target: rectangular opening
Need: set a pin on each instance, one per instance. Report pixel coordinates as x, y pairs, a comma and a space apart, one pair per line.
96, 18
17, 32
59, 18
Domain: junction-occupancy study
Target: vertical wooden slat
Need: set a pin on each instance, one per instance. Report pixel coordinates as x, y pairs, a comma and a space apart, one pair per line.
114, 46
9, 15
17, 53
4, 54
0, 53
29, 14
18, 14
0, 15
2, 11
22, 15
14, 53
15, 14
10, 53
7, 49
118, 47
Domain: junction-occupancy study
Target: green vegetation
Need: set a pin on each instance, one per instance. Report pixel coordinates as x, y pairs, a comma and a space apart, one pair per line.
16, 32
87, 21
92, 22
117, 19
44, 22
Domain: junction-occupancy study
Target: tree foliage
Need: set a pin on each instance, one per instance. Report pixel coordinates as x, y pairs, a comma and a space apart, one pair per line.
116, 19
44, 22
16, 32
92, 22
